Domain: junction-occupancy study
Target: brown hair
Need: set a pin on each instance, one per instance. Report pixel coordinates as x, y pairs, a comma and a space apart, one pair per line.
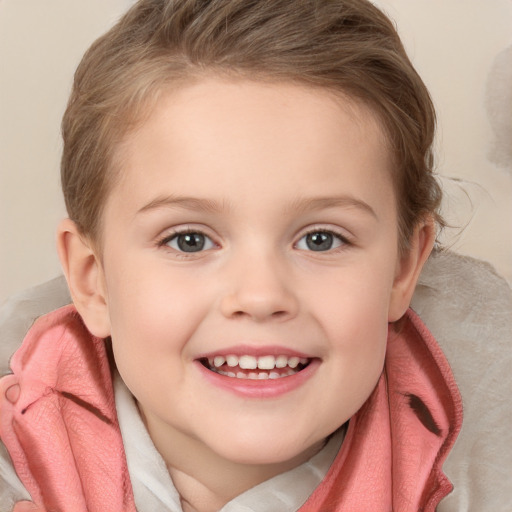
342, 45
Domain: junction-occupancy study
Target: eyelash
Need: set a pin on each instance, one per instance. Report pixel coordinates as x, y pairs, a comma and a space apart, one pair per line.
344, 241
164, 241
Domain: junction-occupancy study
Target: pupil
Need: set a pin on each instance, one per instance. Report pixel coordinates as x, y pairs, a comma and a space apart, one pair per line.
191, 242
319, 241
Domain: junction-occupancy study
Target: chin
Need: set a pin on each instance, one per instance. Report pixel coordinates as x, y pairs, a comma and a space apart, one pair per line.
272, 450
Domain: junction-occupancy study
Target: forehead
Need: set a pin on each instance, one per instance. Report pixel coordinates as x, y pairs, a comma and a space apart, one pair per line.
220, 138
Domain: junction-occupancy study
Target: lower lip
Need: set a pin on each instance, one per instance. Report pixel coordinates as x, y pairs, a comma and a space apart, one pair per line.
268, 388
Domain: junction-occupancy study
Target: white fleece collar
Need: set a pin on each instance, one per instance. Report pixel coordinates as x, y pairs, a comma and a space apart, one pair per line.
153, 488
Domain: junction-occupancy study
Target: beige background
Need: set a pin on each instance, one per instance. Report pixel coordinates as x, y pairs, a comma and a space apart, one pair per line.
462, 48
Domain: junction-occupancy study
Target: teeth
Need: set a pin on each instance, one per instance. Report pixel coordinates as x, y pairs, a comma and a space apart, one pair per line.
218, 361
281, 361
268, 363
248, 362
257, 375
232, 361
293, 362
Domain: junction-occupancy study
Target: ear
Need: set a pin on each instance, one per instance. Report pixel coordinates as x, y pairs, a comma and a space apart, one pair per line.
85, 277
409, 266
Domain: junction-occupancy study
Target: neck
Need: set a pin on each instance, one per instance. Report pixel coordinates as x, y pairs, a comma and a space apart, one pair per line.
207, 481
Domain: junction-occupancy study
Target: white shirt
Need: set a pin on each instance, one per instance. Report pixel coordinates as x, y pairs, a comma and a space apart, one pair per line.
154, 490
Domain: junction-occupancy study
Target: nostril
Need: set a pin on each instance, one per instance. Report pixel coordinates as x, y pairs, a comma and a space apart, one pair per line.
275, 314
260, 306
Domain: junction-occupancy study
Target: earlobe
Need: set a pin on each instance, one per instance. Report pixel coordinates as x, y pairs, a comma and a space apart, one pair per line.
409, 268
84, 274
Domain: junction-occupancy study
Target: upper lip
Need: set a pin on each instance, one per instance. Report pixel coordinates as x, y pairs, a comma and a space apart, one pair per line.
259, 351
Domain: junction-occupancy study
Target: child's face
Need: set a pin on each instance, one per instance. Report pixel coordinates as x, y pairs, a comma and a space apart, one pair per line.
251, 220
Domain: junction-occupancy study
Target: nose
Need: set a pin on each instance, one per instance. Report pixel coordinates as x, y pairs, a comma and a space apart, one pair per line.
259, 288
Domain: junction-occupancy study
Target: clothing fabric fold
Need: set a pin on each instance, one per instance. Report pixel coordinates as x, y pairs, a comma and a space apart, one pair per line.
59, 424
392, 456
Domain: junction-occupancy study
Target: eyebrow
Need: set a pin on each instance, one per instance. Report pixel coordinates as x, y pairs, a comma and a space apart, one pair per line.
320, 203
299, 206
188, 203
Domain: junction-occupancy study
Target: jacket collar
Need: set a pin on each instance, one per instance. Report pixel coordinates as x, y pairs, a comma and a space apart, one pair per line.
391, 458
396, 443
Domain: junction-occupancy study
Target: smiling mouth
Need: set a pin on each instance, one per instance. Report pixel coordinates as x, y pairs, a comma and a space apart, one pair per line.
256, 368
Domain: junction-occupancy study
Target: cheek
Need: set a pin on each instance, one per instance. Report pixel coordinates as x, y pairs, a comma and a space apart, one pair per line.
152, 322
357, 358
358, 338
153, 311
355, 299
353, 312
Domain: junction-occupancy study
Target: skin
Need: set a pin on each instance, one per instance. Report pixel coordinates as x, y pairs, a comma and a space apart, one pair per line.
254, 167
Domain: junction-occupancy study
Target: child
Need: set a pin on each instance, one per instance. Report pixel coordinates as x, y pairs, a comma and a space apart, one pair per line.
251, 200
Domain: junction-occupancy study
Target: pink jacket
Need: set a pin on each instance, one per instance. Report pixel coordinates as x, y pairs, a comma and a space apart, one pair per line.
58, 422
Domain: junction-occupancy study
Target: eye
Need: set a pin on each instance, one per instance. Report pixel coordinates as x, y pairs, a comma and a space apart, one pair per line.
190, 241
319, 241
